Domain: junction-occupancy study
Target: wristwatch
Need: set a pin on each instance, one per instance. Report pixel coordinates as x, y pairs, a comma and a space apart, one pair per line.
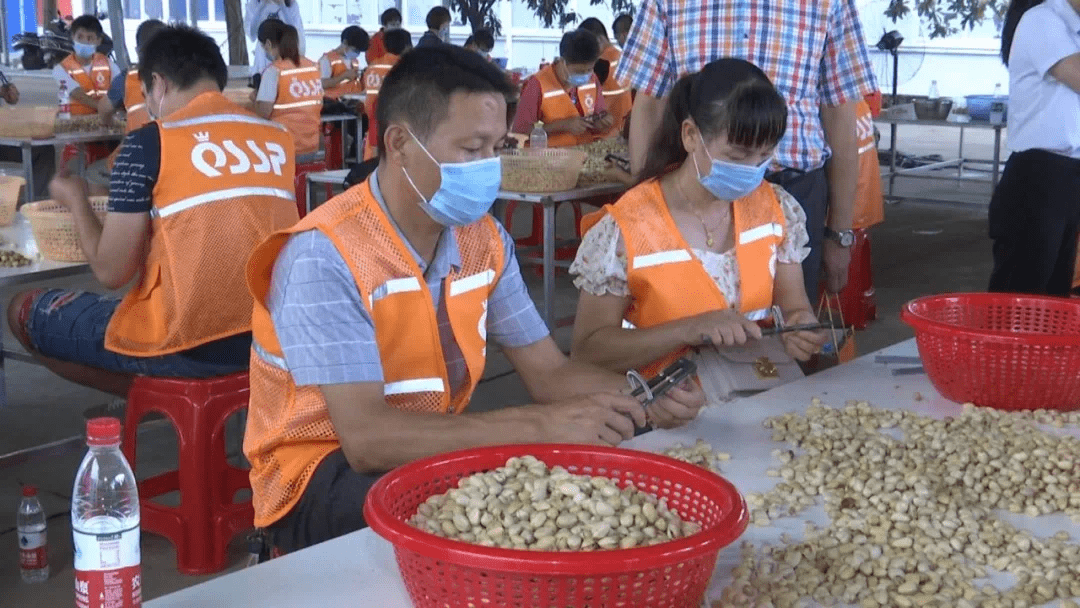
844, 238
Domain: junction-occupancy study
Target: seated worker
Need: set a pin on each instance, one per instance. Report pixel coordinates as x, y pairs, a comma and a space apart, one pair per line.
43, 157
701, 222
398, 42
390, 20
438, 24
372, 317
88, 75
290, 92
621, 28
566, 95
340, 68
616, 95
183, 229
481, 41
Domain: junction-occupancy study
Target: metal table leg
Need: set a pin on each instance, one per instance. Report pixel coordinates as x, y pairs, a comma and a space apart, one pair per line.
892, 158
549, 263
997, 157
3, 376
310, 192
960, 156
344, 143
28, 171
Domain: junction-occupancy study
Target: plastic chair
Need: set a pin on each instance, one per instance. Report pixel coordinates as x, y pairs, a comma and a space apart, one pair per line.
304, 166
207, 519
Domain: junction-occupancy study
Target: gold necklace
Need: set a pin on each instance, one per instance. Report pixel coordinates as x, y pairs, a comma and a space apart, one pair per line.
709, 241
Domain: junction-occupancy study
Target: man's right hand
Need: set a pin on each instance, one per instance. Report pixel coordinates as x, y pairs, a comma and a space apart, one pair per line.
600, 418
575, 125
726, 327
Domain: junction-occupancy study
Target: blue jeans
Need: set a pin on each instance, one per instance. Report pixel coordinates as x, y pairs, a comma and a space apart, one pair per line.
70, 326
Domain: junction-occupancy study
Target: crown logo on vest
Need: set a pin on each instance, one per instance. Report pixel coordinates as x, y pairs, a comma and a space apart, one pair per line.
203, 137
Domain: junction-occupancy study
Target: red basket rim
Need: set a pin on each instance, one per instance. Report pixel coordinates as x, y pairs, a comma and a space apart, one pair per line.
561, 563
912, 315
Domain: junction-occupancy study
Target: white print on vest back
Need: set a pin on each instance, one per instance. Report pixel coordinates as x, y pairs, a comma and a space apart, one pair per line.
373, 80
269, 156
864, 128
306, 88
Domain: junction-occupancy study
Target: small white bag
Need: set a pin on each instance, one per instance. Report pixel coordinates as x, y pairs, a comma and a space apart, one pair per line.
730, 372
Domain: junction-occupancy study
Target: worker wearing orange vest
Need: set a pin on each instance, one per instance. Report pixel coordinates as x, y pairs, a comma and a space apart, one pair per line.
290, 92
616, 94
702, 248
340, 68
398, 42
183, 229
86, 72
566, 95
869, 202
372, 317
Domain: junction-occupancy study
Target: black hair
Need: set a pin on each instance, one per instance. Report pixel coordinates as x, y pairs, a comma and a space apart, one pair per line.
418, 89
483, 39
579, 46
182, 55
594, 25
283, 36
1017, 8
89, 23
390, 15
146, 31
397, 41
729, 97
356, 37
437, 16
623, 17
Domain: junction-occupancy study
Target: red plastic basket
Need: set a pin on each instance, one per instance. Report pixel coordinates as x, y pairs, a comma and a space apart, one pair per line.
445, 573
1003, 351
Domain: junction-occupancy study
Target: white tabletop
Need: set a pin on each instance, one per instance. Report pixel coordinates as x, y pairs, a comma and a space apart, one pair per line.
65, 138
18, 237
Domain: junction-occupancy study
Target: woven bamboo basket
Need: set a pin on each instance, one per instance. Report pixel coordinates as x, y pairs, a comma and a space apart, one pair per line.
54, 228
34, 122
10, 186
544, 170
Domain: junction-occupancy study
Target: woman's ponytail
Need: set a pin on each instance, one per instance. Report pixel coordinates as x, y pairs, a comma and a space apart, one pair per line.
289, 47
667, 149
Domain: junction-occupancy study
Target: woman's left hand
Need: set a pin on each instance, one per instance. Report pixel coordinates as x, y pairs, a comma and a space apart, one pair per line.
678, 406
803, 344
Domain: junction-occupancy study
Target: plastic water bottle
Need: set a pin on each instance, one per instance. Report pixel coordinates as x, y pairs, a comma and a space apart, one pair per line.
105, 523
33, 539
64, 99
997, 90
933, 90
538, 138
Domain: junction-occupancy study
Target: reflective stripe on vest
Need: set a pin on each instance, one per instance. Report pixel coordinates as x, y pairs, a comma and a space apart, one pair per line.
419, 385
661, 257
471, 282
222, 195
761, 232
221, 118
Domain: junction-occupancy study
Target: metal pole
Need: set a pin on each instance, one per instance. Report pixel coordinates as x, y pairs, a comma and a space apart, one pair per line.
6, 58
193, 13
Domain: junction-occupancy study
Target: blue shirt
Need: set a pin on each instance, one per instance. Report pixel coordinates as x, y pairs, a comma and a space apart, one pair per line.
327, 335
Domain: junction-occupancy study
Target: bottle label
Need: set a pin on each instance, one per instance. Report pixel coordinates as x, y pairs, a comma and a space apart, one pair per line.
107, 570
33, 550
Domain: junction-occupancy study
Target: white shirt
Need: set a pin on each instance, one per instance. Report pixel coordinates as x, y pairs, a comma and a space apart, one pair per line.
1044, 113
258, 11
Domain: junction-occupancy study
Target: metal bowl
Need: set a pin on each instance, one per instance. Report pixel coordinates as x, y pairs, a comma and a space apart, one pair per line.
932, 109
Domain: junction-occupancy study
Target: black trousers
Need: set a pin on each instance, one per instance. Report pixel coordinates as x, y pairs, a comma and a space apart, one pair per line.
332, 506
1034, 221
811, 189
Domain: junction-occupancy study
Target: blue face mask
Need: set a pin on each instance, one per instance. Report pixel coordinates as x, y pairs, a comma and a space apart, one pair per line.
729, 181
352, 55
84, 50
466, 192
578, 80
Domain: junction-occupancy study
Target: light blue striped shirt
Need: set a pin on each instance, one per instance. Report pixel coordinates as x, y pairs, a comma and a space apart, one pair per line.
327, 335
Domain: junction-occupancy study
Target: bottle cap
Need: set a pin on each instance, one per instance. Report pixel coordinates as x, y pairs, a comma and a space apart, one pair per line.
103, 431
29, 491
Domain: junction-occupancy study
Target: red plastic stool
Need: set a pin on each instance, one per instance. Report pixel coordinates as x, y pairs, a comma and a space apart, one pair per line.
94, 152
300, 183
858, 301
335, 152
207, 518
536, 236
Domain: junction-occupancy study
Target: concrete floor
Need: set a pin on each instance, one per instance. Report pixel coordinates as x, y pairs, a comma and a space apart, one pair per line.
921, 249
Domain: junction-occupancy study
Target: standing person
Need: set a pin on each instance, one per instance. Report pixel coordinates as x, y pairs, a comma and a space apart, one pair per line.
438, 24
290, 92
44, 157
815, 54
621, 28
616, 94
1034, 214
398, 42
340, 67
390, 20
728, 237
183, 229
373, 315
257, 11
566, 95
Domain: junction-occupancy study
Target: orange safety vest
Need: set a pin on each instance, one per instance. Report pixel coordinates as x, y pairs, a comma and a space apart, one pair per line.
668, 282
373, 80
616, 95
555, 104
289, 429
298, 106
338, 64
227, 186
94, 80
134, 102
869, 202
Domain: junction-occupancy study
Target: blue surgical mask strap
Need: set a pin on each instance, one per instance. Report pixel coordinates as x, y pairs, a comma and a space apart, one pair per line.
406, 172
